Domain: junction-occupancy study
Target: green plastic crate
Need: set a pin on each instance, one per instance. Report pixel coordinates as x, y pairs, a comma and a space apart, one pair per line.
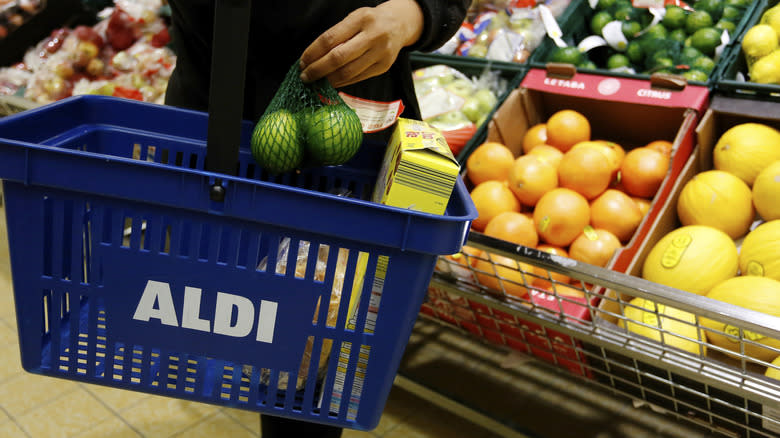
728, 84
512, 72
575, 25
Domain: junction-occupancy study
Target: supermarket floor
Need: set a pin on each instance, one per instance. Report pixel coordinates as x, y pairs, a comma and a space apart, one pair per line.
33, 406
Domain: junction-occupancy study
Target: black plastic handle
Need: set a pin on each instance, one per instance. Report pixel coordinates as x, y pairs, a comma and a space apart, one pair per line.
226, 90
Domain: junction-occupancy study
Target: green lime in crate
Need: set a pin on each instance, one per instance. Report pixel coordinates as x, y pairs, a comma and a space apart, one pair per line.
614, 38
753, 61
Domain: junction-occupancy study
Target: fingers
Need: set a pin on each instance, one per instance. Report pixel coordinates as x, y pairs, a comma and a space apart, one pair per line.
327, 52
369, 71
335, 59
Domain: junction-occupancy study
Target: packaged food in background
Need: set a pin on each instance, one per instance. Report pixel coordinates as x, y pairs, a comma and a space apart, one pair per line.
454, 103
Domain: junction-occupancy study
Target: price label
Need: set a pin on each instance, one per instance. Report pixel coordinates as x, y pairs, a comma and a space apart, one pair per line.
551, 26
613, 34
593, 3
590, 43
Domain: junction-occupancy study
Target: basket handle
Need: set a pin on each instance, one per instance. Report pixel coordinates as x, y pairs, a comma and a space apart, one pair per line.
226, 89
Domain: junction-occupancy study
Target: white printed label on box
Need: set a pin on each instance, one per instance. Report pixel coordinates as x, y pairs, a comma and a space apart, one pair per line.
774, 414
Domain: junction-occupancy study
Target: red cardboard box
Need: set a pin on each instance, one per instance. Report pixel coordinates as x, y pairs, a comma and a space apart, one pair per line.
629, 112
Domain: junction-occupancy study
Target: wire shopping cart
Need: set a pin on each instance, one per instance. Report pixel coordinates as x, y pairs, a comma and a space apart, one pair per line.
149, 253
572, 316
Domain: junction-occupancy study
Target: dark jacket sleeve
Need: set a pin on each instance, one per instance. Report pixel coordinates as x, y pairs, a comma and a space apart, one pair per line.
442, 19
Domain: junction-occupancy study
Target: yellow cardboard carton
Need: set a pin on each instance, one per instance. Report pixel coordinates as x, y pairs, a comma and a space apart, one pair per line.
418, 171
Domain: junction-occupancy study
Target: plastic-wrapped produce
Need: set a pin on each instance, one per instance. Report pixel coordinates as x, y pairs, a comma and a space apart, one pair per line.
502, 30
124, 55
454, 103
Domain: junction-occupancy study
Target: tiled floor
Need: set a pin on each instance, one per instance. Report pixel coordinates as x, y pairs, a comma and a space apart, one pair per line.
32, 406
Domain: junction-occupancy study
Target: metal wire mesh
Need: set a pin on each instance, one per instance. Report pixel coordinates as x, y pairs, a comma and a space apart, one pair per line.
519, 298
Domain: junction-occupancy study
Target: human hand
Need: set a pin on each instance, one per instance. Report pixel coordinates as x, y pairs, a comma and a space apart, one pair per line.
364, 44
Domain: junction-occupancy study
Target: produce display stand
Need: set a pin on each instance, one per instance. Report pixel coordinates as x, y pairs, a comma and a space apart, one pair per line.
719, 392
575, 26
732, 80
148, 254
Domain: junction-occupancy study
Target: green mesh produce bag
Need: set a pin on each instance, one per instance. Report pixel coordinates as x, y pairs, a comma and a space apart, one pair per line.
305, 125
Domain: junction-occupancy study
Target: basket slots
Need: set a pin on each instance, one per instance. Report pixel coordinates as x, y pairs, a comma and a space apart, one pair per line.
83, 334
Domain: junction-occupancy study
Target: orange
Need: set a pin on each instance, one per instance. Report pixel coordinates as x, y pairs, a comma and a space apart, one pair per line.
594, 246
503, 274
613, 156
567, 128
662, 146
585, 170
460, 258
565, 291
618, 150
535, 136
513, 227
617, 213
549, 154
560, 216
490, 161
643, 204
541, 279
643, 171
531, 177
491, 199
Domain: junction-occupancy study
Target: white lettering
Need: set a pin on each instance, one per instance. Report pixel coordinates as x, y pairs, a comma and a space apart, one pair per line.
266, 321
564, 83
190, 317
223, 315
228, 308
159, 292
654, 94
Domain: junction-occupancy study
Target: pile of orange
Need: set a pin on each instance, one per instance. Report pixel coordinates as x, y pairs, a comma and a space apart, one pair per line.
568, 194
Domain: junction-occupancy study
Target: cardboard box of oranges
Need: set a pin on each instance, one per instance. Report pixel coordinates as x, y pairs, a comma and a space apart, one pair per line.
577, 167
732, 205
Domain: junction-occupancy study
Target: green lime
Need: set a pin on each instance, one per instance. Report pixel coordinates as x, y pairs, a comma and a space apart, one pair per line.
706, 40
625, 13
665, 71
695, 75
726, 25
566, 55
687, 42
675, 17
333, 135
605, 4
598, 22
738, 3
645, 18
690, 53
712, 7
664, 62
731, 13
656, 31
276, 142
588, 64
704, 63
618, 60
634, 52
697, 20
631, 28
678, 35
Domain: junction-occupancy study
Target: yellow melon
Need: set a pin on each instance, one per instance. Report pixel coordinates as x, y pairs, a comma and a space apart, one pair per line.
718, 199
746, 149
755, 293
774, 373
766, 192
672, 328
760, 252
693, 258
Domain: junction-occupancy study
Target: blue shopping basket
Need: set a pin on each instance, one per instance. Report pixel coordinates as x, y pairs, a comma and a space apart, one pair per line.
126, 273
